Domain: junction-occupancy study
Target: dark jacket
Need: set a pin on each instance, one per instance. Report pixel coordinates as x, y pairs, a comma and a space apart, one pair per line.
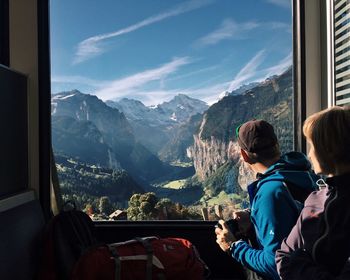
319, 245
274, 211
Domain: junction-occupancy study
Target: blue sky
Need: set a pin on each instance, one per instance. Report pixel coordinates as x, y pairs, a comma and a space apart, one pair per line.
151, 50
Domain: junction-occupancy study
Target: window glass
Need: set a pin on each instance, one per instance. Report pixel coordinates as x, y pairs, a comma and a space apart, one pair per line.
146, 97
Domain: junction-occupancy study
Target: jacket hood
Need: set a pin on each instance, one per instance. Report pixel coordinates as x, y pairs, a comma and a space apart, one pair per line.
292, 161
293, 167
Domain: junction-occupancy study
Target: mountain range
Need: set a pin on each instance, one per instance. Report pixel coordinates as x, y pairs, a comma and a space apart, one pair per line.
127, 135
156, 126
82, 123
178, 110
87, 129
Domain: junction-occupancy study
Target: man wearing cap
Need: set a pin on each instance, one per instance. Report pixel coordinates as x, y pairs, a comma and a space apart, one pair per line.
276, 197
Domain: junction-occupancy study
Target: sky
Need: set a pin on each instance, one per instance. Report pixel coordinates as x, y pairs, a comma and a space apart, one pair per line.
152, 50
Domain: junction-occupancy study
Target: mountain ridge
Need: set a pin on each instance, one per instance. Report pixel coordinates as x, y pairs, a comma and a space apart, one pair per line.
114, 129
157, 126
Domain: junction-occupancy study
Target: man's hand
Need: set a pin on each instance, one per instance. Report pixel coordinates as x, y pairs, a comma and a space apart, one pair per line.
224, 236
244, 223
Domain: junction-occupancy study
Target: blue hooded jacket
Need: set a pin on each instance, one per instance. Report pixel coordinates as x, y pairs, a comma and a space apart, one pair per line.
274, 211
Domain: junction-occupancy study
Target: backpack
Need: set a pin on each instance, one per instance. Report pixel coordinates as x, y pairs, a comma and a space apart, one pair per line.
147, 258
67, 236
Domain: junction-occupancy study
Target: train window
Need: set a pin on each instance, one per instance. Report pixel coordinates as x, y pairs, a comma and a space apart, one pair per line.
146, 97
342, 51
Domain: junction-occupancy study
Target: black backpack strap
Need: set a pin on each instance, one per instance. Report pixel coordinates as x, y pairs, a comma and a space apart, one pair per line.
116, 260
149, 251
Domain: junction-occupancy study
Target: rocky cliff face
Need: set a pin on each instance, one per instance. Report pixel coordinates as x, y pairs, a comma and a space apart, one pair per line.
207, 156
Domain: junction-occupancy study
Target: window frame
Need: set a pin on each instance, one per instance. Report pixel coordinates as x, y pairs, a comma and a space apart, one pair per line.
328, 77
299, 108
44, 87
299, 75
338, 96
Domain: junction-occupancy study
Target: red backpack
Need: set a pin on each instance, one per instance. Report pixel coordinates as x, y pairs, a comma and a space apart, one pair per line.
145, 258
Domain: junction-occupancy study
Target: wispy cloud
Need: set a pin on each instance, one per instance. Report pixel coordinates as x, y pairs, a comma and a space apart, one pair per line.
248, 71
229, 29
232, 30
78, 80
131, 84
193, 73
93, 46
135, 86
209, 91
281, 3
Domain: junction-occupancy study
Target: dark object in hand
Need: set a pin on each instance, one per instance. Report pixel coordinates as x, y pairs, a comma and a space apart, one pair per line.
231, 224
